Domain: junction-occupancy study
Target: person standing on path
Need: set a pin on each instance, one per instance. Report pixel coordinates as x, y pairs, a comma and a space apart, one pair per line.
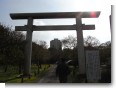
62, 71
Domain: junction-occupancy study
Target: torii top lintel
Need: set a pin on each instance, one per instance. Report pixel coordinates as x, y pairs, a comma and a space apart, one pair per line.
52, 15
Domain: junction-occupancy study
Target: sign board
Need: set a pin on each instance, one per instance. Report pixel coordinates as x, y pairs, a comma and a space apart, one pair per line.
93, 65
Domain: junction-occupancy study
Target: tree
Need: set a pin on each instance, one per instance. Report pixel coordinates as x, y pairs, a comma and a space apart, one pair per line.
43, 44
55, 55
35, 55
11, 46
39, 54
91, 42
5, 46
105, 52
69, 42
67, 54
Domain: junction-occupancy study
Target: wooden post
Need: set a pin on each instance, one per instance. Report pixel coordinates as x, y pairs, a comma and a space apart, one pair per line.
28, 48
80, 46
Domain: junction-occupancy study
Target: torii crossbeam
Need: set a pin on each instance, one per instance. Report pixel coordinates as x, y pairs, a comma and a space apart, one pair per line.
54, 27
55, 15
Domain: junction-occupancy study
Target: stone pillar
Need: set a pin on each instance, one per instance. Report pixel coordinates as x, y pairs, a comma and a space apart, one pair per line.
80, 46
28, 48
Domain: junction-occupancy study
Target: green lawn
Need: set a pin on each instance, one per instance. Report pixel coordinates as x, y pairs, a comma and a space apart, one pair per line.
12, 73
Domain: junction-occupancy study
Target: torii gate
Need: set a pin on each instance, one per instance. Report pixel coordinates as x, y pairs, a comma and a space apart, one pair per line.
78, 27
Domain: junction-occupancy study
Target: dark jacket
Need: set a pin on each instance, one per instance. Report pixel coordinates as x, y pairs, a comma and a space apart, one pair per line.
62, 70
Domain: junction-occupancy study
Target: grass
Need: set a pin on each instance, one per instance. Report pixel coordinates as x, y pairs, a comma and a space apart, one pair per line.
10, 75
26, 80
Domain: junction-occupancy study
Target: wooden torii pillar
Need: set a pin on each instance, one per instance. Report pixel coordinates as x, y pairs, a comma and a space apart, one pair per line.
30, 28
28, 47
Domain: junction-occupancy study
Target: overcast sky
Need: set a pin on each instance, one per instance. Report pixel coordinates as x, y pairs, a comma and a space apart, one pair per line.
102, 25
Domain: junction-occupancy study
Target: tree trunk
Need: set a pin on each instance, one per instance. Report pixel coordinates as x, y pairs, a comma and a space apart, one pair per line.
40, 65
20, 69
6, 67
38, 69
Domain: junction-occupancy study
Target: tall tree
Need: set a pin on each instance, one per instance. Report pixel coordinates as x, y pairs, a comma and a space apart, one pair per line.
43, 44
69, 42
10, 46
91, 41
